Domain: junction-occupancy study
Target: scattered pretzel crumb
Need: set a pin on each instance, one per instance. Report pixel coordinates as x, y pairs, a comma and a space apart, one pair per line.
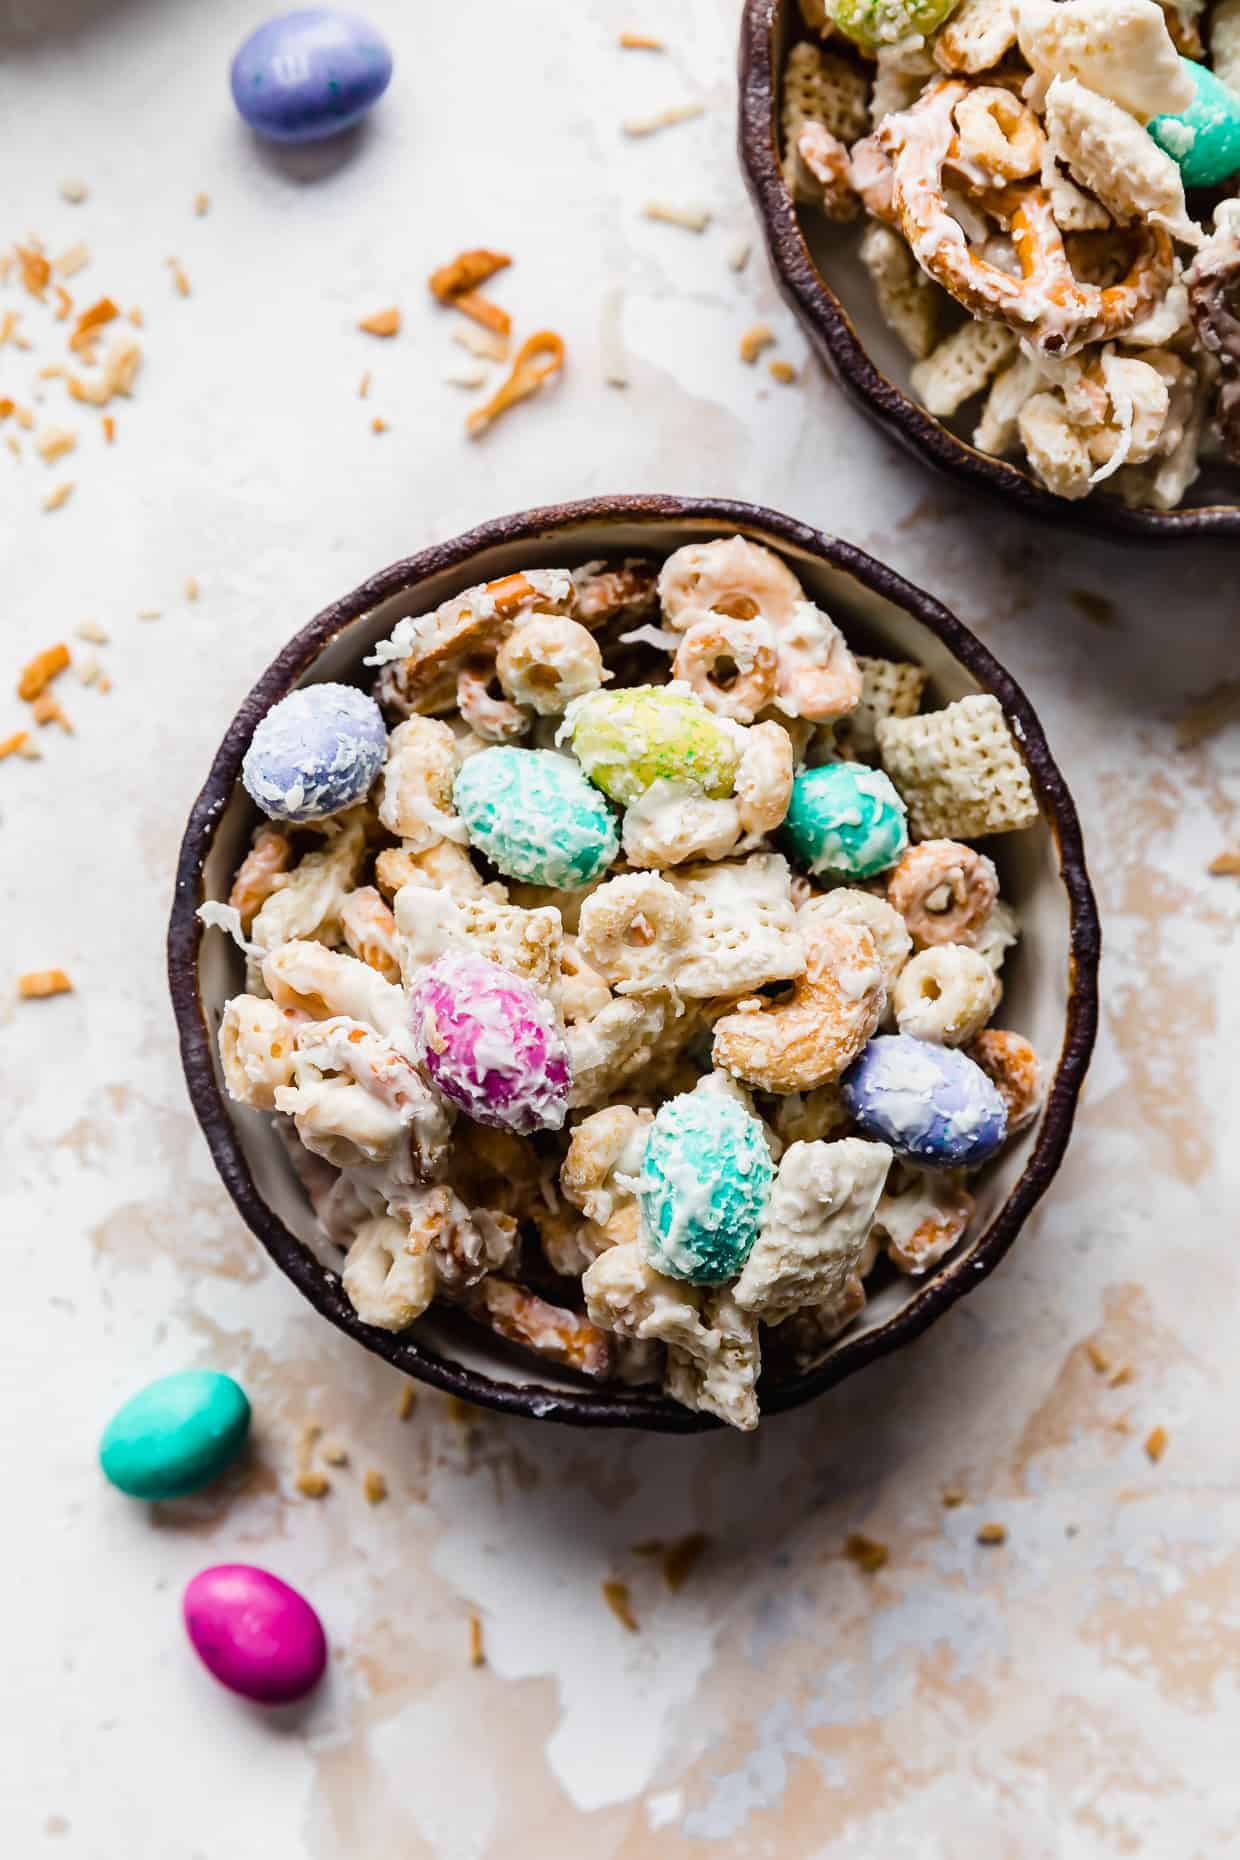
1122, 1377
481, 310
406, 1401
1156, 1444
334, 1453
55, 500
53, 443
616, 1596
992, 1534
136, 317
46, 709
64, 303
477, 1652
611, 341
309, 1483
109, 428
1208, 717
663, 119
463, 1412
202, 204
1226, 865
180, 283
381, 322
101, 312
363, 386
540, 357
682, 1558
150, 613
34, 268
953, 1495
466, 272
74, 191
13, 745
865, 1552
41, 984
87, 667
692, 219
757, 337
313, 1484
8, 326
640, 42
1098, 1357
24, 418
781, 371
738, 254
374, 1486
192, 590
378, 425
73, 259
39, 673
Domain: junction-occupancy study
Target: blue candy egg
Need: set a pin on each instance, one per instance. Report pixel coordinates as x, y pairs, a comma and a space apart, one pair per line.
175, 1434
308, 74
536, 817
930, 1103
315, 752
846, 819
704, 1183
1204, 139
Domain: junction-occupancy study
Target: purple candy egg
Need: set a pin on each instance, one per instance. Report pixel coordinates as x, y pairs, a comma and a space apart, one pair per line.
254, 1633
930, 1103
491, 1044
308, 74
315, 753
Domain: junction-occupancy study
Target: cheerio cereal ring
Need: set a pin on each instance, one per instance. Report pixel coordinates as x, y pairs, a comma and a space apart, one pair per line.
315, 753
845, 819
536, 817
628, 740
704, 1183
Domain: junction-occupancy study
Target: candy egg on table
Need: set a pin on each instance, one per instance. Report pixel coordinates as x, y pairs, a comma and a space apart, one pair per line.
490, 1043
536, 817
845, 819
175, 1435
628, 740
1204, 139
315, 752
705, 1178
875, 23
930, 1103
308, 74
254, 1633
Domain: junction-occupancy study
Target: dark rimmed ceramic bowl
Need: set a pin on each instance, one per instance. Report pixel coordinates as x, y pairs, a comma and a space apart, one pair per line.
1050, 980
819, 272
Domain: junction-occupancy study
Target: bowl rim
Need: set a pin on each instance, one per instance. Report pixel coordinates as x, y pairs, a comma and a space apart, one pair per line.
832, 332
628, 1408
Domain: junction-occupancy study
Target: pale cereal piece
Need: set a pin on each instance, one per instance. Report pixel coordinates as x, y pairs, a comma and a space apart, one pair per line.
334, 1453
663, 119
889, 688
415, 788
369, 929
720, 1379
1119, 49
56, 500
754, 340
821, 87
909, 302
742, 929
782, 371
1072, 209
465, 377
1225, 42
42, 984
808, 1117
150, 613
978, 34
992, 1534
192, 589
561, 1336
601, 1164
374, 1486
322, 984
526, 943
633, 930
74, 191
41, 670
814, 1227
381, 322
866, 1552
612, 1045
810, 1038
921, 1216
959, 770
616, 1596
387, 1278
612, 357
54, 442
547, 662
883, 921
87, 667
668, 213
961, 366
998, 428
1056, 448
1111, 155
945, 995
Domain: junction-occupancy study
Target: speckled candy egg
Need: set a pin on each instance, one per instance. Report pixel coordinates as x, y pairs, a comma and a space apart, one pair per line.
490, 1044
315, 752
627, 740
704, 1182
846, 819
875, 23
1204, 139
308, 74
930, 1103
254, 1633
536, 817
175, 1435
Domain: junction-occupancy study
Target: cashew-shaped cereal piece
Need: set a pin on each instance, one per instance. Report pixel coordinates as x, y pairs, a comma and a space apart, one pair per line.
369, 929
881, 919
386, 1278
322, 983
921, 1216
490, 717
583, 991
946, 994
764, 779
811, 1038
747, 647
257, 1049
307, 902
549, 661
632, 930
609, 1144
261, 873
944, 891
1011, 1064
415, 788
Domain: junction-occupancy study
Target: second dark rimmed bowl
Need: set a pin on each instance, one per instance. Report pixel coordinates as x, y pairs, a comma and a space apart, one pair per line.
821, 277
1051, 980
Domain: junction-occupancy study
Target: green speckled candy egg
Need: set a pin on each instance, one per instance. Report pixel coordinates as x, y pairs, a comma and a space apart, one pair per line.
175, 1434
874, 23
704, 1183
1204, 139
536, 817
845, 819
628, 740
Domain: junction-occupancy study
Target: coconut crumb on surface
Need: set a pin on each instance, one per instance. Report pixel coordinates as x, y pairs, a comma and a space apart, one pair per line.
42, 984
1098, 1357
953, 1495
667, 213
73, 259
1156, 1443
381, 322
378, 425
35, 676
611, 339
334, 1453
477, 1652
57, 499
486, 343
464, 1412
87, 667
1122, 1377
309, 1482
180, 283
992, 1533
681, 1558
1226, 864
406, 1401
866, 1552
1212, 714
663, 119
374, 1486
13, 745
109, 429
74, 191
202, 204
54, 442
783, 372
192, 588
640, 42
473, 378
757, 337
738, 254
136, 317
616, 1596
150, 613
363, 386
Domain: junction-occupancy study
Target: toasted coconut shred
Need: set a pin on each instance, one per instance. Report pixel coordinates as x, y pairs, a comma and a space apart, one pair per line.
477, 1652
757, 337
691, 219
866, 1552
611, 340
663, 119
616, 1596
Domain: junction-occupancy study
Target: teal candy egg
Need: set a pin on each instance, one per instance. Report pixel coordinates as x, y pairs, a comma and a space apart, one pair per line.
536, 817
1204, 139
704, 1182
175, 1434
845, 819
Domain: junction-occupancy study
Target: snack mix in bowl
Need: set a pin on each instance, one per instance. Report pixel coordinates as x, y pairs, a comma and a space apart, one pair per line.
632, 992
1050, 228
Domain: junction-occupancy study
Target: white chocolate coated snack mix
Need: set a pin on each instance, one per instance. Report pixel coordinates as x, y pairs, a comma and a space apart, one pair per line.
633, 1002
1046, 196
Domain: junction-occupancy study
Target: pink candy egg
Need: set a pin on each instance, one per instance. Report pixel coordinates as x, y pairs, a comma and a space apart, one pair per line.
254, 1633
491, 1044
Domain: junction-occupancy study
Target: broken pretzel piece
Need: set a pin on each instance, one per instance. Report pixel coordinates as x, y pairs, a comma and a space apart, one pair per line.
539, 358
466, 272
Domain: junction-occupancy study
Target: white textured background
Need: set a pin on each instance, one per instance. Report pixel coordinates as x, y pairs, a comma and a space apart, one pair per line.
1072, 1694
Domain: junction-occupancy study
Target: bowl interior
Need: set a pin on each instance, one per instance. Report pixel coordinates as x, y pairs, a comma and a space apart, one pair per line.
1047, 978
819, 268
